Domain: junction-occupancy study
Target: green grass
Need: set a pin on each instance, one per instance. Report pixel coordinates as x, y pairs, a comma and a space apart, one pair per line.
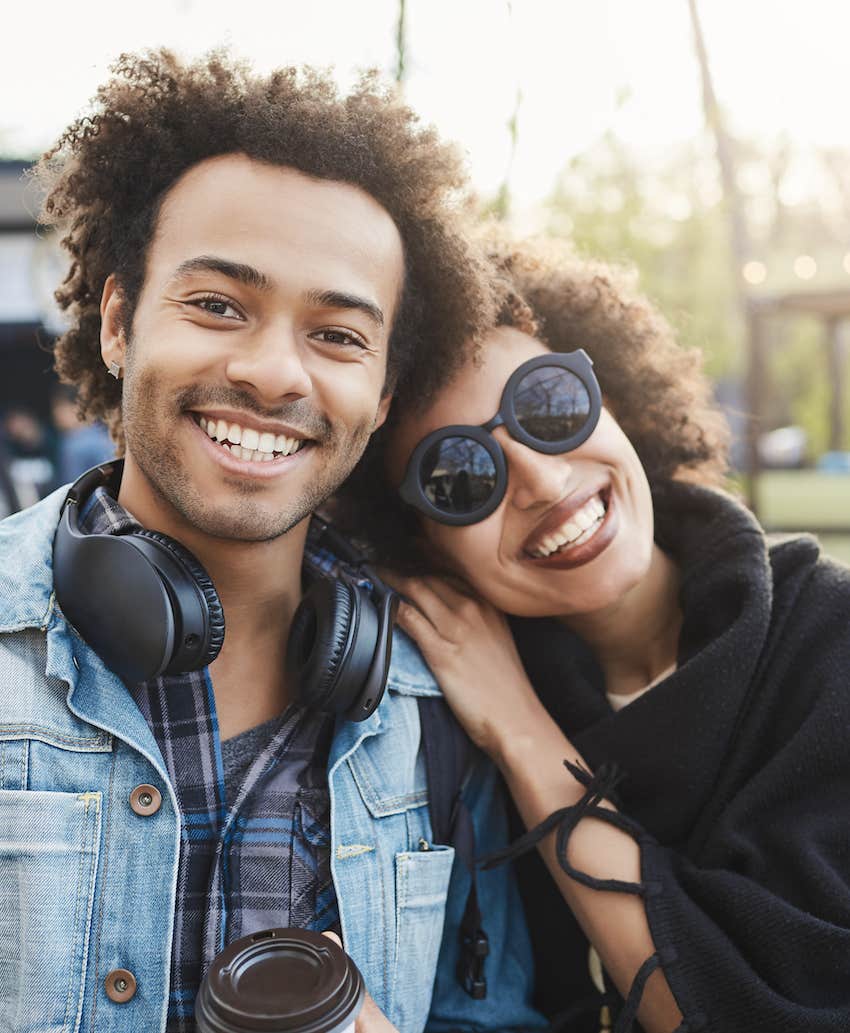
806, 499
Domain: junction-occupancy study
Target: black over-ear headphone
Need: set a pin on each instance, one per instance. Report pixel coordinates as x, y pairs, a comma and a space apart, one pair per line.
147, 607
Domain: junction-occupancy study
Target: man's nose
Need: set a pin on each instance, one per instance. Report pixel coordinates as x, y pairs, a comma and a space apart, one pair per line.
534, 479
272, 363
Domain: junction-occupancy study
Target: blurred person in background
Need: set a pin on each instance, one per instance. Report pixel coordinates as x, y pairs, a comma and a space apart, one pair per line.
79, 444
10, 501
667, 696
30, 444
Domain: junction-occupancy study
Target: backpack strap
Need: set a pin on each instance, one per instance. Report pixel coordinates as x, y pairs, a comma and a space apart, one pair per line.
447, 757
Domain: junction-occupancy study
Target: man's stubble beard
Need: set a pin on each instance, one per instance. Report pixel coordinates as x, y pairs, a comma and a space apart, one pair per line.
247, 520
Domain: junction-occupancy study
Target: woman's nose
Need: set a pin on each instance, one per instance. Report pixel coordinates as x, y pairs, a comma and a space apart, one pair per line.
272, 363
534, 479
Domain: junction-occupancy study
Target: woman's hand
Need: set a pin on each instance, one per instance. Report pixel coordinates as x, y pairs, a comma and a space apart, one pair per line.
468, 645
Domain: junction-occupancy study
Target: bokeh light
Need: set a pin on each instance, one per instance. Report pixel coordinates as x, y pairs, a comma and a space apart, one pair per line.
754, 272
805, 267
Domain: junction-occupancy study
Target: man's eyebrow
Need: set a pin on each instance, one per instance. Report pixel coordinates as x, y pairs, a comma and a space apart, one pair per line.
246, 274
340, 299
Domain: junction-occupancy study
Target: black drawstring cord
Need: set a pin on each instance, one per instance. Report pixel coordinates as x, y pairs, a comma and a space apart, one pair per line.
598, 787
628, 1013
524, 843
564, 1021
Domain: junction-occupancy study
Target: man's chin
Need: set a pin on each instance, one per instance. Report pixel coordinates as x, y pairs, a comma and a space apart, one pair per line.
233, 509
249, 528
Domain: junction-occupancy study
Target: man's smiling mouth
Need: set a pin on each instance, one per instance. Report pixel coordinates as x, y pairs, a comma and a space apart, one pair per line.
249, 444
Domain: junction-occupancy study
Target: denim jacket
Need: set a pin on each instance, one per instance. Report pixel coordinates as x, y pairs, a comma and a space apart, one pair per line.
87, 885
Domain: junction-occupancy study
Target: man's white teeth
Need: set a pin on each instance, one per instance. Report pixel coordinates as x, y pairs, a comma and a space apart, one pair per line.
581, 525
247, 443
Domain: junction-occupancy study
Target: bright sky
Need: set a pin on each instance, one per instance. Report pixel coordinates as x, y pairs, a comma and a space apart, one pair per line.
584, 67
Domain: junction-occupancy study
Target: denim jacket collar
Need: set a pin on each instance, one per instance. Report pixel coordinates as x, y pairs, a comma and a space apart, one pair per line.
95, 694
26, 589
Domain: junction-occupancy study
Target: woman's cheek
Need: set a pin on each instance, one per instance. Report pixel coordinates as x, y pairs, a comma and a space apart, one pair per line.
469, 551
440, 551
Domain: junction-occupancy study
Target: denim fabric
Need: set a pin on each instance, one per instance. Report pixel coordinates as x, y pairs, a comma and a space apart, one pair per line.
259, 862
88, 886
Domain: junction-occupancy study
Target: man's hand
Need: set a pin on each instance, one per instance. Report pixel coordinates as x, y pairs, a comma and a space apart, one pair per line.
371, 1019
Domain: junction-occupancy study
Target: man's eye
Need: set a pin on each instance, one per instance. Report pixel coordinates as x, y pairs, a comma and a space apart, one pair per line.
340, 337
217, 307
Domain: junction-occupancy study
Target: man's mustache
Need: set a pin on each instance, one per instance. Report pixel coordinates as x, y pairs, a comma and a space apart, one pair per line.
300, 414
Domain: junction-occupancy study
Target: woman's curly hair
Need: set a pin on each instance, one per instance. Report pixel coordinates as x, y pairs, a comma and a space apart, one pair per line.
106, 178
656, 389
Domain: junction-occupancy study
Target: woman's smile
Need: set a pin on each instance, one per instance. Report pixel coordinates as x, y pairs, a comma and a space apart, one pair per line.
580, 538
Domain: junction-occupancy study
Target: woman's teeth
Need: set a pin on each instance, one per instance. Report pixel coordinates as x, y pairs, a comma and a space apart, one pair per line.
247, 443
580, 526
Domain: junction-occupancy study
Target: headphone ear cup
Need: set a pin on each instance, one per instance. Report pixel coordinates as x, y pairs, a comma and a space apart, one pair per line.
193, 569
318, 641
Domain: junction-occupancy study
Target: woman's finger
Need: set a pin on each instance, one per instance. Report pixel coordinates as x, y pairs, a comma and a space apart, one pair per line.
423, 596
413, 621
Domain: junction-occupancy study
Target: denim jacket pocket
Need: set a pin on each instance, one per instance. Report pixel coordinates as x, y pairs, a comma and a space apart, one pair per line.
422, 883
49, 845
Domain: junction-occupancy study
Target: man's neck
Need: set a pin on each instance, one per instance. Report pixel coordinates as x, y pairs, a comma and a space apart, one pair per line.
259, 597
259, 585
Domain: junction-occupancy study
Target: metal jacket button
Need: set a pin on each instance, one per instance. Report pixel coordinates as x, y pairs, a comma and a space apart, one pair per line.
120, 985
146, 800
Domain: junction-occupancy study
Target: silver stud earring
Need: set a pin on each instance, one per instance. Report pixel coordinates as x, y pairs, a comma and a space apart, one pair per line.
115, 370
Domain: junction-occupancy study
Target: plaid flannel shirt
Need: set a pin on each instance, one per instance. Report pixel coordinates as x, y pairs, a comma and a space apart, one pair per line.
263, 862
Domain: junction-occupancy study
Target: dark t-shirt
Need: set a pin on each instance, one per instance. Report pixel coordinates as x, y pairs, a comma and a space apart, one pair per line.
238, 752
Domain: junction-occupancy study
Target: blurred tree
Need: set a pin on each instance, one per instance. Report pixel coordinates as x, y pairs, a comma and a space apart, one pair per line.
664, 224
401, 43
501, 206
666, 221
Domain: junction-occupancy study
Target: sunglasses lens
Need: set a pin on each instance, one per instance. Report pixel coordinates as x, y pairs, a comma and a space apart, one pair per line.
551, 403
457, 475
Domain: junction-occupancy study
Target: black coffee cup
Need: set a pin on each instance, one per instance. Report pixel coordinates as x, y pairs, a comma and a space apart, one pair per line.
280, 981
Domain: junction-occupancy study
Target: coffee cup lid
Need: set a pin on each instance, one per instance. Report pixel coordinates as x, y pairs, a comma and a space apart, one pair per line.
280, 981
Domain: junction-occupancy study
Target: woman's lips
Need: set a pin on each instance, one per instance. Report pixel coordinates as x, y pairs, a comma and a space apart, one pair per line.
567, 519
579, 554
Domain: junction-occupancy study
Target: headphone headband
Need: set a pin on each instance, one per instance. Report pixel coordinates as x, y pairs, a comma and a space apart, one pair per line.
148, 608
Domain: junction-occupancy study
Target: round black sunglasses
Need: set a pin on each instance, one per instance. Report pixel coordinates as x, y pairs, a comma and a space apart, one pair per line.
457, 475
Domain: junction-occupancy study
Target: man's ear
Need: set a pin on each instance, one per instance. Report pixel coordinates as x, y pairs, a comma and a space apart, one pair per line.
383, 410
112, 340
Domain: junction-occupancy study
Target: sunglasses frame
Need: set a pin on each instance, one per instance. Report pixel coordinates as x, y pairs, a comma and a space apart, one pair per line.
578, 362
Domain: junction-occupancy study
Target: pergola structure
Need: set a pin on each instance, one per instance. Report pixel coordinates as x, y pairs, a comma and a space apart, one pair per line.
832, 308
